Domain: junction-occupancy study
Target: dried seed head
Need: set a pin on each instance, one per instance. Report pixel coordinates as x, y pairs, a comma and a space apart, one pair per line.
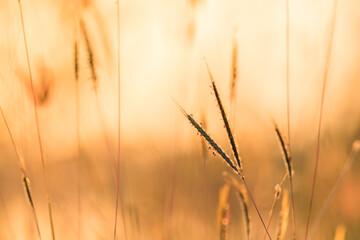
208, 138
285, 150
234, 70
90, 55
225, 119
76, 63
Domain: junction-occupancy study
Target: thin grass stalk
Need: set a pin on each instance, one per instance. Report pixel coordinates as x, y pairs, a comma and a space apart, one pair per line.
118, 201
205, 173
37, 125
288, 67
288, 106
325, 77
91, 62
225, 119
245, 207
346, 169
26, 182
243, 199
204, 151
276, 198
25, 179
77, 114
256, 208
225, 157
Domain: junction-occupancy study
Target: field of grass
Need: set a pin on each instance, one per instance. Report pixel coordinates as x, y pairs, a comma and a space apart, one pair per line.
195, 119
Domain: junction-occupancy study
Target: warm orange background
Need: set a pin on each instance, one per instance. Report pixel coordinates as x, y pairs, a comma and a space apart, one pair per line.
162, 45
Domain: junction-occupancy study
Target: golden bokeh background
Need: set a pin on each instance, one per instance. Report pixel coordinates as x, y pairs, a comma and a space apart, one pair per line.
167, 192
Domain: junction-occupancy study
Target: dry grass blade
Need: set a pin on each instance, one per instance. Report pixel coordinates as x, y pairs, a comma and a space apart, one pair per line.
349, 162
326, 72
284, 216
208, 138
37, 123
340, 232
276, 198
225, 119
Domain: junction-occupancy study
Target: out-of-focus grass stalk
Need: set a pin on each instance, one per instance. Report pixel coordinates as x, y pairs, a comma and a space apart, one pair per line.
37, 125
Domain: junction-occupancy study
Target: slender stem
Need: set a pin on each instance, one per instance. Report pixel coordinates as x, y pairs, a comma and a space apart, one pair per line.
288, 69
253, 201
78, 157
77, 114
37, 124
102, 122
288, 106
326, 72
336, 187
119, 133
293, 206
19, 159
276, 197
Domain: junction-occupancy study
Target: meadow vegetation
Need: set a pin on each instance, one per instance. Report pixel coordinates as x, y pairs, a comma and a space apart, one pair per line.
195, 119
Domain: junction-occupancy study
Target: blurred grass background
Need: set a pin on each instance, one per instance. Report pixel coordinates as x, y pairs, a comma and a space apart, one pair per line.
166, 191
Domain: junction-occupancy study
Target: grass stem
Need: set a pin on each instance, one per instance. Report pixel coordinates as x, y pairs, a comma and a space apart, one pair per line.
325, 77
37, 124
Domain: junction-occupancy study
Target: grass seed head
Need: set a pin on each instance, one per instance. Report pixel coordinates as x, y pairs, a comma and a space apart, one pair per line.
90, 55
285, 149
234, 69
225, 119
206, 136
